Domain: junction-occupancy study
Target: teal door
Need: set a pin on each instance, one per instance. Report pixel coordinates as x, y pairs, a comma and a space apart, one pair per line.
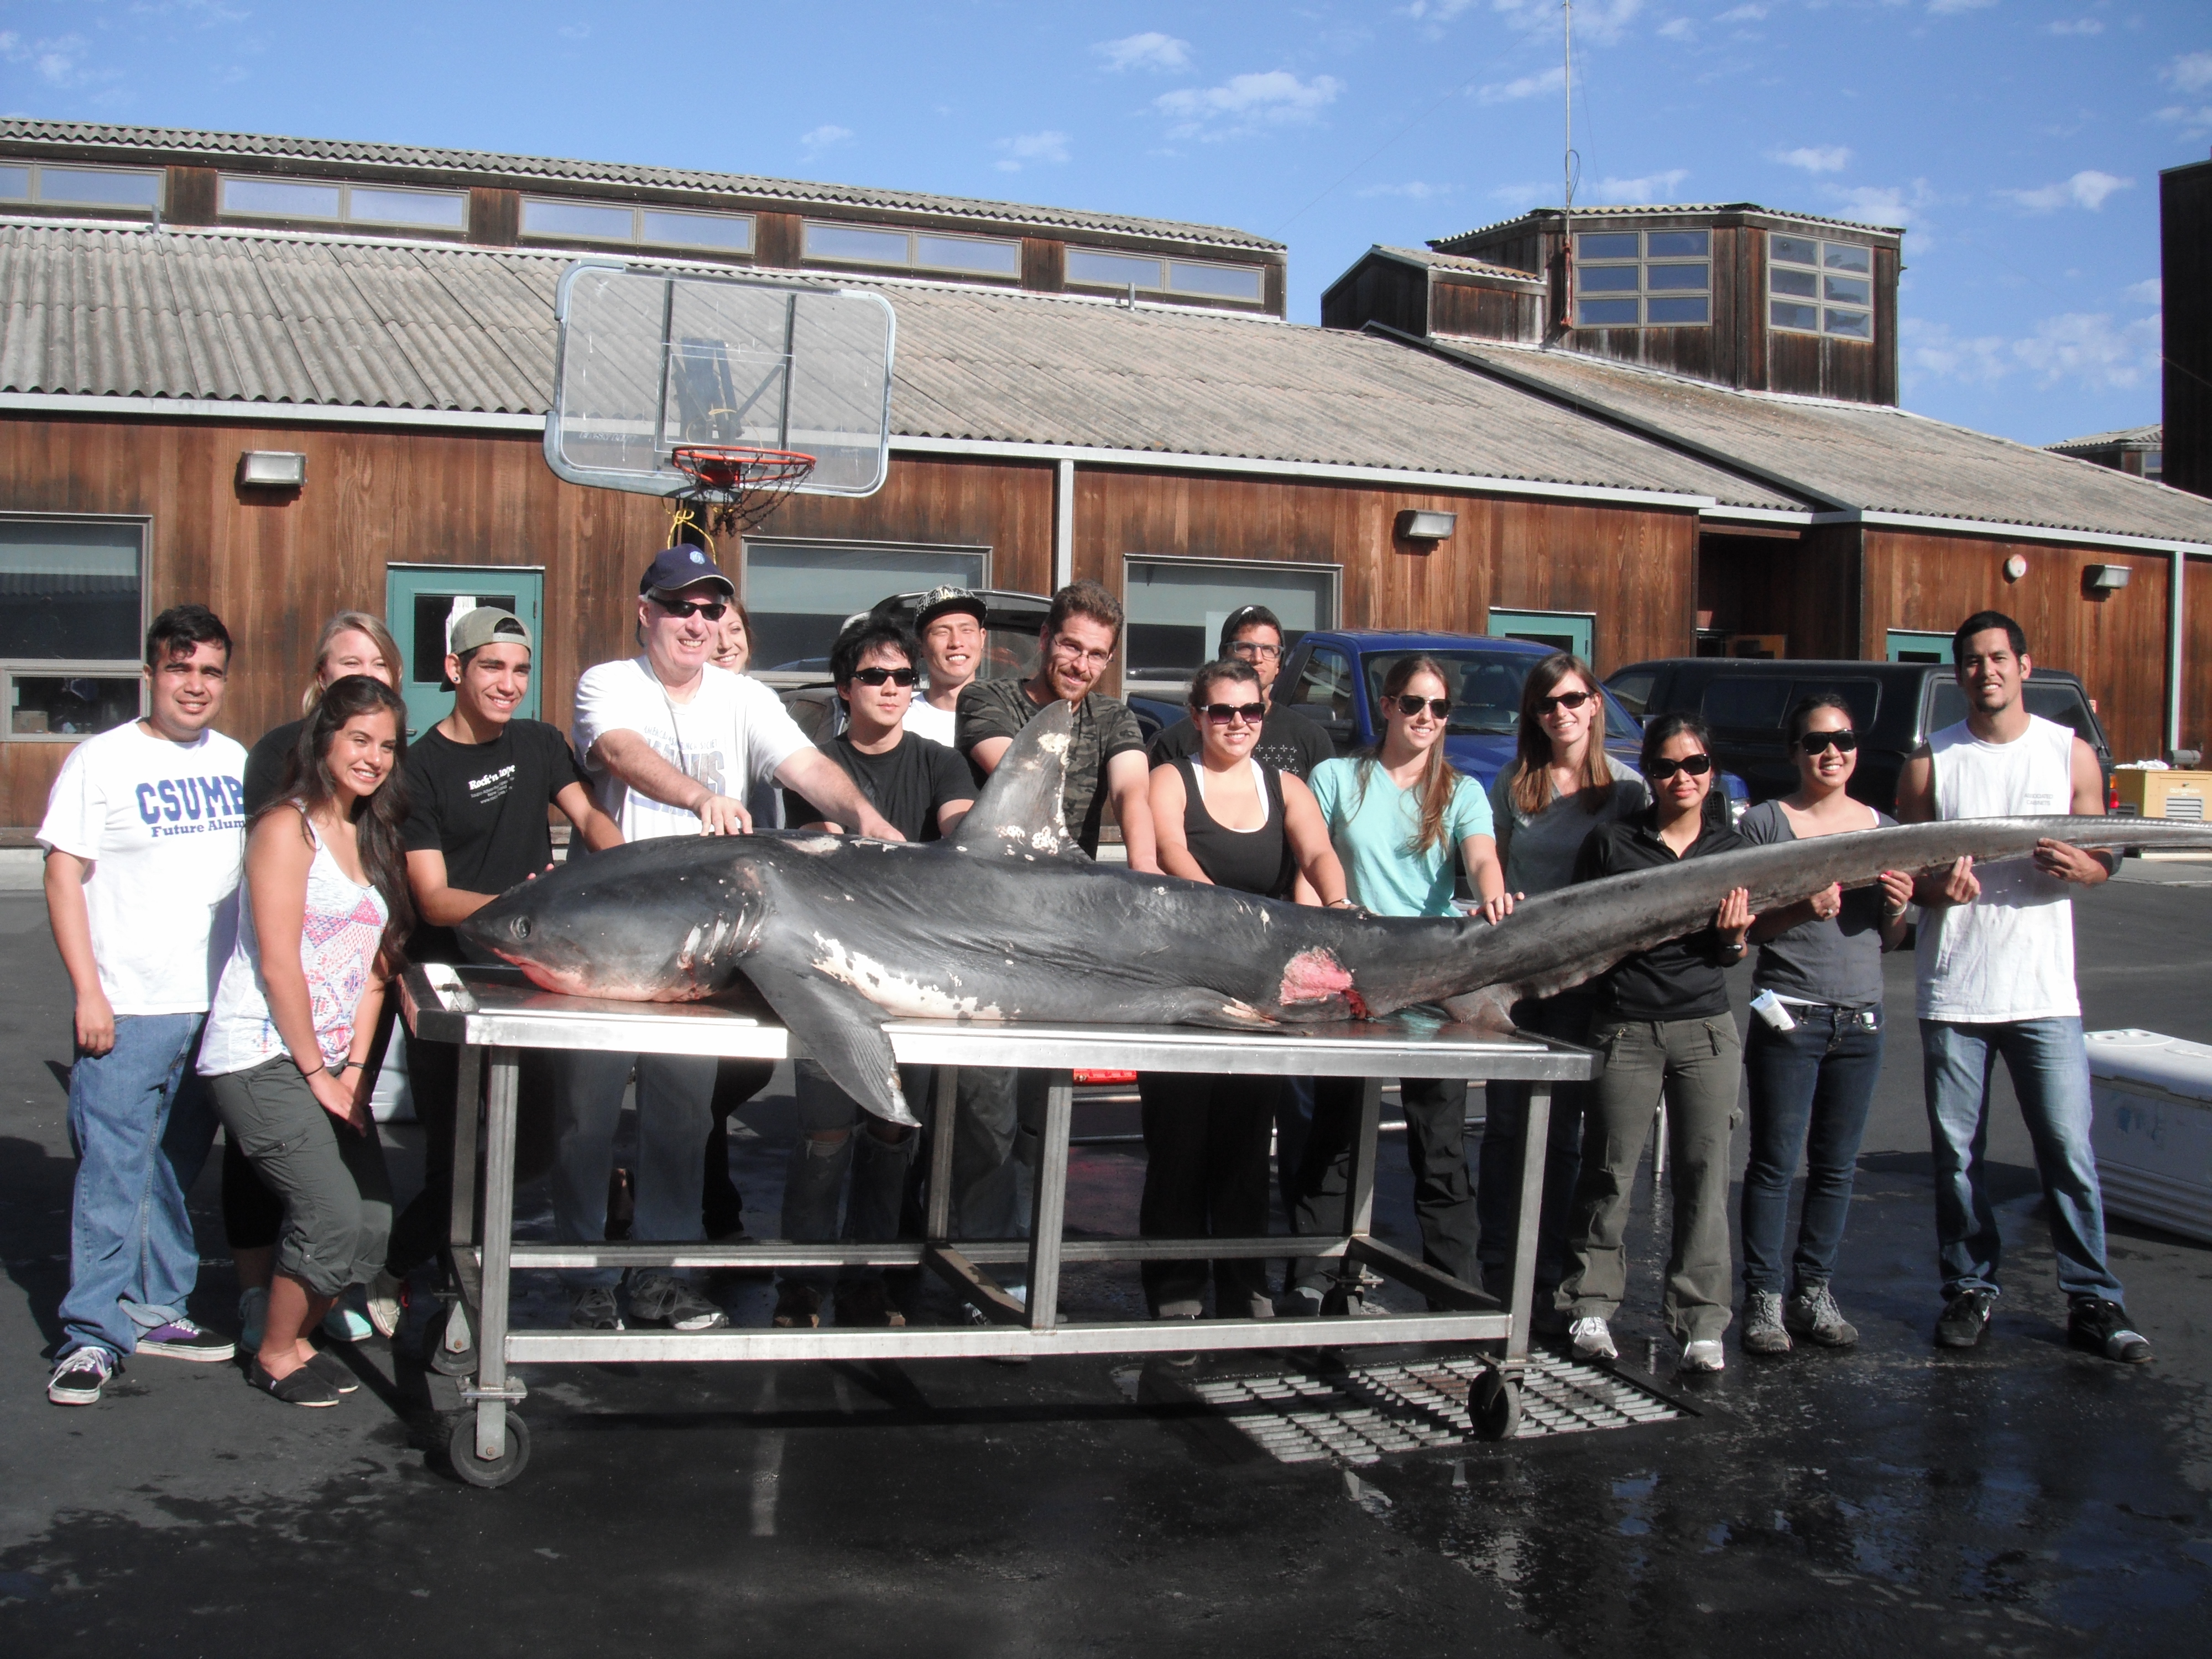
1563, 630
420, 603
1910, 644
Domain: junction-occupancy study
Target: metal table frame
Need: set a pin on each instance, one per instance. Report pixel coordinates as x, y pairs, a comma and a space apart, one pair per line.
492, 1014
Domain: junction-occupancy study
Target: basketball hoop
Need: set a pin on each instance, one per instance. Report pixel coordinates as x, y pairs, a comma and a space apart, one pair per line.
733, 486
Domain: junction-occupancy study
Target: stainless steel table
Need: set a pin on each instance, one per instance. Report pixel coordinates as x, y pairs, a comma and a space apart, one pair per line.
493, 1013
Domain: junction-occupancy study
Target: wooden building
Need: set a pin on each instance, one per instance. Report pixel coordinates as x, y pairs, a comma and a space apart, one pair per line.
2138, 451
2185, 225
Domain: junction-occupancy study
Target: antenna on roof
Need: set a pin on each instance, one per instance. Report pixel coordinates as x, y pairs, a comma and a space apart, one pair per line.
1567, 178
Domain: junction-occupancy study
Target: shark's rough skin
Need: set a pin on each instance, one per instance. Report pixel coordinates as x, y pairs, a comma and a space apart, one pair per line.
1008, 921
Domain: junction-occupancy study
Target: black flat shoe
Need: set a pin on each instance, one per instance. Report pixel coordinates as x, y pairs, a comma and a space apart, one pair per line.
299, 1388
333, 1370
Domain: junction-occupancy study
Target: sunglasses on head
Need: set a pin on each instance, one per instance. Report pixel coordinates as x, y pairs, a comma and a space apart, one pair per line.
1695, 766
1410, 705
1814, 742
712, 609
1251, 713
1563, 700
877, 676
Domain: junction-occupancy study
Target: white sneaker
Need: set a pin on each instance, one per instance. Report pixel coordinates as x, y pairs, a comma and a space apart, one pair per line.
386, 1304
1592, 1340
1704, 1356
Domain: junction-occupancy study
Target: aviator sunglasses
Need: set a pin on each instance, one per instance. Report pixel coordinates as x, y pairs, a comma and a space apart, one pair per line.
1814, 742
1251, 713
712, 609
1695, 766
1410, 705
906, 677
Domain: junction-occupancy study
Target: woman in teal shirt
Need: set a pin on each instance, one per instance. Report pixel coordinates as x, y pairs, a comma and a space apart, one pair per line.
1396, 815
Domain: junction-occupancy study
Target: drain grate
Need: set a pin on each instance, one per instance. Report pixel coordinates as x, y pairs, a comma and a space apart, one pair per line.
1358, 1416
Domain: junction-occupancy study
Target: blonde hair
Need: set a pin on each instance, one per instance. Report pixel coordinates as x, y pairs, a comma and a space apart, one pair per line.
351, 622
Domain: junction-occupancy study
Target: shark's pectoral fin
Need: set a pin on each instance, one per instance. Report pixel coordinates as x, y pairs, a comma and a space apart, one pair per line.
842, 1032
1490, 1007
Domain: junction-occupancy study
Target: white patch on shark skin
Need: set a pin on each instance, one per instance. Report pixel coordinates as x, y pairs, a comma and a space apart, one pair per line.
1010, 832
687, 954
1046, 841
1054, 743
894, 992
817, 845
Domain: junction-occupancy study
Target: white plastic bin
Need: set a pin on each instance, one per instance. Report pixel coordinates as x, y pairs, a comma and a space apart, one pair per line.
2152, 1132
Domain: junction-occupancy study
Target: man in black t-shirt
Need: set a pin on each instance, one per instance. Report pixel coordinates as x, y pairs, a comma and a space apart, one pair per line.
478, 783
1288, 741
924, 789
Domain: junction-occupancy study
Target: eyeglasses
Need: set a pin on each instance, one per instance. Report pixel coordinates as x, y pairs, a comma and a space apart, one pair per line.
877, 676
712, 609
1694, 766
1564, 700
1259, 648
1410, 705
1064, 646
1814, 742
1222, 713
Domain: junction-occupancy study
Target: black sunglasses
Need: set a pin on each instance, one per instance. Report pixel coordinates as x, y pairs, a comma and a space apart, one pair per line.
1254, 713
1695, 765
1564, 700
877, 676
1410, 705
712, 609
1814, 742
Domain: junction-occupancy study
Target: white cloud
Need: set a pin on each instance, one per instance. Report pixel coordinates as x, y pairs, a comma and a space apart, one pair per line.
55, 61
2075, 25
2193, 123
1887, 204
1678, 28
574, 31
1821, 158
1521, 196
2150, 291
1031, 149
825, 138
1529, 86
1149, 50
1743, 15
1946, 8
1413, 190
2088, 348
1245, 103
1931, 349
1438, 11
1652, 187
2087, 189
1601, 23
2191, 72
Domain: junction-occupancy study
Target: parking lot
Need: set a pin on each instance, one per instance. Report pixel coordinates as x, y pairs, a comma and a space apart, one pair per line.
2019, 1498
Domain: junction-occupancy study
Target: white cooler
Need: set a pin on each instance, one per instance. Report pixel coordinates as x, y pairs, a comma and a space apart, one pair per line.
2152, 1129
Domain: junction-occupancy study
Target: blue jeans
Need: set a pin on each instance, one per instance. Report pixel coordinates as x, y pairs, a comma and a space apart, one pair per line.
2050, 1068
816, 1177
142, 1123
674, 1093
1811, 1090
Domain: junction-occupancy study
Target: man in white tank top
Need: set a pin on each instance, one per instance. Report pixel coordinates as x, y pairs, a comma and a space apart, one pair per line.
1997, 978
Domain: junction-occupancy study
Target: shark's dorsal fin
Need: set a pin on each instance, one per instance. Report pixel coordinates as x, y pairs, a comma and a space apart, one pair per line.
1018, 814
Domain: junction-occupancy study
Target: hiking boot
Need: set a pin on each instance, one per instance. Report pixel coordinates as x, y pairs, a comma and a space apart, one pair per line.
180, 1339
1813, 1314
865, 1302
1966, 1317
1763, 1330
665, 1299
1592, 1338
595, 1309
2101, 1327
1704, 1355
80, 1377
798, 1307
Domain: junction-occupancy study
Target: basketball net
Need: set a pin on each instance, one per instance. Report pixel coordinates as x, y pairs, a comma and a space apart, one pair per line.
734, 488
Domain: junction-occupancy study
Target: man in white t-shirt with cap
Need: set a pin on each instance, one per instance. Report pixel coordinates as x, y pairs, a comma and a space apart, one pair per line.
950, 626
670, 744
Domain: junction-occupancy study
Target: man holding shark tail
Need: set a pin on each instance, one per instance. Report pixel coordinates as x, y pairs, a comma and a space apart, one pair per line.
1996, 977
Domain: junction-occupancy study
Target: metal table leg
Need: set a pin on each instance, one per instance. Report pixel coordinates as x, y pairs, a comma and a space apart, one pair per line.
461, 1211
492, 1391
1359, 1184
944, 1125
1534, 1136
1049, 1216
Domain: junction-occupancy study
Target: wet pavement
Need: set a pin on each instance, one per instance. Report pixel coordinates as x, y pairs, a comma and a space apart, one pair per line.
2017, 1498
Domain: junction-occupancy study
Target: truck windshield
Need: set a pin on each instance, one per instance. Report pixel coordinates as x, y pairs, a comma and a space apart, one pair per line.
1485, 691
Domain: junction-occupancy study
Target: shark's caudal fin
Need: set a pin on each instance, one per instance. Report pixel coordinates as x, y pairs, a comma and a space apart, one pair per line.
1018, 814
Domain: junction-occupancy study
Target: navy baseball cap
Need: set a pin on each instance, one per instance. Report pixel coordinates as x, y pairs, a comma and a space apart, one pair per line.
681, 566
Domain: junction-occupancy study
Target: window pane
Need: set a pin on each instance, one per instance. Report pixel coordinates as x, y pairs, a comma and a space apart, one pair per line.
15, 184
1850, 290
74, 705
1605, 279
875, 247
1615, 245
432, 634
1656, 277
1325, 688
1674, 244
2056, 700
731, 233
1677, 311
69, 591
967, 253
1757, 701
1112, 269
437, 209
280, 198
1864, 697
1223, 281
1606, 313
1175, 611
99, 186
1803, 282
1793, 250
1842, 256
585, 219
800, 594
1852, 324
1786, 315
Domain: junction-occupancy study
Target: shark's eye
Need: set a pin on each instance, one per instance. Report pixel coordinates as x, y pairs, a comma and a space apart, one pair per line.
522, 928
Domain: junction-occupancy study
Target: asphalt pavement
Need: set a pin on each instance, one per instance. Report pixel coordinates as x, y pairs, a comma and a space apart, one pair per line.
2020, 1498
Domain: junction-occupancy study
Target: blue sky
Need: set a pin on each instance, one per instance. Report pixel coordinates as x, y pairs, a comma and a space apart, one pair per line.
2019, 143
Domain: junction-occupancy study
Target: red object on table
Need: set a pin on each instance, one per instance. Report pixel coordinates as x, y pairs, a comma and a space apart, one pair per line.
1105, 1076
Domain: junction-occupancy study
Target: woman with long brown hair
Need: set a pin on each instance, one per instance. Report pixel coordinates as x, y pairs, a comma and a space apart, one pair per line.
1396, 815
1560, 785
323, 908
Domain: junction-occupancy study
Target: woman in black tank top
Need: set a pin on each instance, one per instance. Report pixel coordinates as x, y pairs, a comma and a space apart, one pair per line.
1221, 818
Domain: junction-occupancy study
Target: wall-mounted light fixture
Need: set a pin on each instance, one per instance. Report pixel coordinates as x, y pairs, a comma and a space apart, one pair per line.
1415, 525
2015, 568
272, 469
2105, 578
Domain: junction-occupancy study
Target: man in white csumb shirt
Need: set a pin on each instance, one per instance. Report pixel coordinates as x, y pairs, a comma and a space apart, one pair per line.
671, 744
1996, 977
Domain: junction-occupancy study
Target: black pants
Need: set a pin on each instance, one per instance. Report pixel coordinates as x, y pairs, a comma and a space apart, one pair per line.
1498, 1178
1435, 1147
252, 1216
1205, 1177
736, 1082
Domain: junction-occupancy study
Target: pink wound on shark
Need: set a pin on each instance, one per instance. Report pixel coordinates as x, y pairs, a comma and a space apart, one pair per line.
1314, 975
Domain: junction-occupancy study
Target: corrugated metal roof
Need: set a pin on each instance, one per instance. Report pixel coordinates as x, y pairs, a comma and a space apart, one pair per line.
1865, 456
268, 316
211, 148
1457, 261
2151, 435
1640, 210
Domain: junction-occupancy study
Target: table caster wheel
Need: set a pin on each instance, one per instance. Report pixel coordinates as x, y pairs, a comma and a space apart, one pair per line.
461, 1452
1494, 1406
446, 1361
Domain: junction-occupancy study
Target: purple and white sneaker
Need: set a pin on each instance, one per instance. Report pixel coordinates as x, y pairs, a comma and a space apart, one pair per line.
180, 1339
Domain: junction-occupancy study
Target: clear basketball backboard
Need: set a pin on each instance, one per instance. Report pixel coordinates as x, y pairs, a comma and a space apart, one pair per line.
648, 362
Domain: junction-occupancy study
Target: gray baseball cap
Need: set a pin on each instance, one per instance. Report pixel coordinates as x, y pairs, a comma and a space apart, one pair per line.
488, 625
